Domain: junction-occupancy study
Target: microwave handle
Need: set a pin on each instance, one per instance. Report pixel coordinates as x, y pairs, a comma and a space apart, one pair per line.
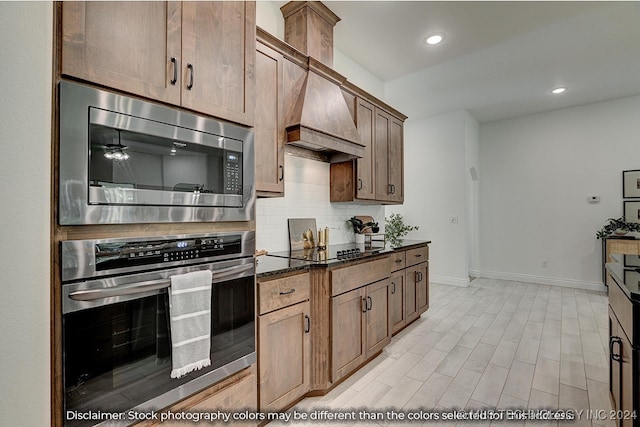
152, 285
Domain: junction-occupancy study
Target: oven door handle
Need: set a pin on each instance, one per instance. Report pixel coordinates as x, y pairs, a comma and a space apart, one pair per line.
136, 288
152, 285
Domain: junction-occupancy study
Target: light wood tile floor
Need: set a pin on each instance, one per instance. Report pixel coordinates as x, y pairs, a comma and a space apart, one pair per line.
495, 344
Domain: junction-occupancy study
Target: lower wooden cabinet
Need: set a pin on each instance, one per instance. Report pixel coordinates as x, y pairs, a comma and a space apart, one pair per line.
284, 341
360, 326
397, 290
232, 395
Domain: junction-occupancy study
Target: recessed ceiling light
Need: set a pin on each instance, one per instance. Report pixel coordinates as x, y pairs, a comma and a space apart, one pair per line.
558, 90
435, 38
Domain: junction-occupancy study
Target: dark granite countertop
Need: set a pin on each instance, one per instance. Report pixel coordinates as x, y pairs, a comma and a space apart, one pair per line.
281, 262
625, 270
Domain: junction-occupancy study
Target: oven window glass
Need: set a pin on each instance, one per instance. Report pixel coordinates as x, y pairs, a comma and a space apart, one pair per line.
132, 160
118, 356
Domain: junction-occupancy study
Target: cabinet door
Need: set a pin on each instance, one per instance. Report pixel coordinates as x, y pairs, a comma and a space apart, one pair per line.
284, 356
614, 363
218, 59
422, 287
347, 332
396, 301
378, 332
411, 294
131, 46
389, 161
365, 166
269, 133
395, 160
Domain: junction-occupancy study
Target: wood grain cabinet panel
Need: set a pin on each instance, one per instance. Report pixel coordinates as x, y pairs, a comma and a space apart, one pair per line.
124, 45
378, 176
199, 55
397, 316
284, 340
269, 133
284, 356
360, 327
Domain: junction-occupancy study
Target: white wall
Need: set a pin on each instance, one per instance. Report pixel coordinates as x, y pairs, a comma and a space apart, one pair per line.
537, 172
306, 196
436, 178
25, 134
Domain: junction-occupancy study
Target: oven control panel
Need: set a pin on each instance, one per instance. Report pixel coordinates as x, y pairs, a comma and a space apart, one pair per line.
111, 255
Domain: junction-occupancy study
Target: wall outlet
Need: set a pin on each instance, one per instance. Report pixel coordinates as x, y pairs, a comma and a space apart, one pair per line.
545, 263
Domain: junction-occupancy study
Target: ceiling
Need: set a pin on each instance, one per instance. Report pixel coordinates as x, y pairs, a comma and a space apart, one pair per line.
499, 59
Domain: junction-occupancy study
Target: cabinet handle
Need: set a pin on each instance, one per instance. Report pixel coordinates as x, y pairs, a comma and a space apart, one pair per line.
398, 261
393, 289
370, 306
359, 183
281, 173
307, 327
290, 291
364, 305
174, 61
390, 188
613, 340
190, 68
418, 255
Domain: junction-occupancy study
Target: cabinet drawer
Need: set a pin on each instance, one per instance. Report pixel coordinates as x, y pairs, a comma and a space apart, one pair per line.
418, 255
622, 246
354, 276
282, 292
398, 260
621, 306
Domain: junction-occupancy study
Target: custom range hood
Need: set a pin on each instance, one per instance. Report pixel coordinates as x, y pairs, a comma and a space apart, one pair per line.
318, 118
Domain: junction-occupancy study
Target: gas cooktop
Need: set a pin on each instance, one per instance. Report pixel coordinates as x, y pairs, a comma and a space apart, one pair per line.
331, 253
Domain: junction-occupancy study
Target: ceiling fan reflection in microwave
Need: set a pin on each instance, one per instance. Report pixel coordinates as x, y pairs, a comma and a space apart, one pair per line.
116, 152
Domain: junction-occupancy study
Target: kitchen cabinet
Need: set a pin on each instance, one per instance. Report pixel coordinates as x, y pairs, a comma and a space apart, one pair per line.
269, 133
359, 316
397, 291
198, 55
623, 370
284, 340
409, 293
388, 152
378, 176
236, 393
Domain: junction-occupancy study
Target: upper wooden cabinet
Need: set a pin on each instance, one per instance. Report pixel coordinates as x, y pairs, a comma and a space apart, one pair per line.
199, 55
379, 175
269, 133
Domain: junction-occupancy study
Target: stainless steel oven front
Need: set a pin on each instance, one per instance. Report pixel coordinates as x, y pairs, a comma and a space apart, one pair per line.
117, 352
125, 160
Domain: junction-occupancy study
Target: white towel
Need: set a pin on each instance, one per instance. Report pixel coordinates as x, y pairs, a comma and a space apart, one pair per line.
190, 311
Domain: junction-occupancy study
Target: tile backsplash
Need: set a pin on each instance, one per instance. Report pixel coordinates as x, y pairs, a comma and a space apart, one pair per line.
306, 196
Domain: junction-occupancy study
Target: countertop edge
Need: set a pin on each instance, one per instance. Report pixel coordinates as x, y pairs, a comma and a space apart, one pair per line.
279, 266
613, 269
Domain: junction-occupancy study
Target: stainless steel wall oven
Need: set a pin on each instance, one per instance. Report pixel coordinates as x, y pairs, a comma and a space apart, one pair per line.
115, 319
124, 160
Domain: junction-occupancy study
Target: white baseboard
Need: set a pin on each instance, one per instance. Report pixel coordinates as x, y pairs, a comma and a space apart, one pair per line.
444, 280
553, 281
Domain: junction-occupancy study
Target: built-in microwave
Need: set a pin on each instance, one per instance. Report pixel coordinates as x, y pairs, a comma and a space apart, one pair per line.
126, 160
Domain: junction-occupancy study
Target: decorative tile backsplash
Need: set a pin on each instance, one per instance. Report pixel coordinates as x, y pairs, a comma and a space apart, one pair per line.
306, 196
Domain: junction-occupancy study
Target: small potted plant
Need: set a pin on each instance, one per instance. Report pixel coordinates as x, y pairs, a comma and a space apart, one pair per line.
395, 229
617, 226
